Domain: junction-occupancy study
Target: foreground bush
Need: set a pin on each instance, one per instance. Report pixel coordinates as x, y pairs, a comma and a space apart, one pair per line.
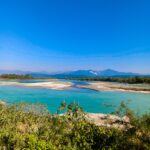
26, 126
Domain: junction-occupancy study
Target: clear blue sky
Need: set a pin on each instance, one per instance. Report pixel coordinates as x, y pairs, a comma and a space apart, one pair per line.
60, 35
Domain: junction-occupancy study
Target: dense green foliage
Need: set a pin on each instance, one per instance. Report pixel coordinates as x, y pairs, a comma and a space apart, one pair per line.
130, 80
32, 127
15, 76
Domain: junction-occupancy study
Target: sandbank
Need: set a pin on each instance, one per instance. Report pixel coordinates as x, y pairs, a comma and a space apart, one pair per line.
107, 86
54, 84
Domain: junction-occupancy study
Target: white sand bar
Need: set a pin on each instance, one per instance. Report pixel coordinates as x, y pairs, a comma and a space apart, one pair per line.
54, 84
108, 86
50, 85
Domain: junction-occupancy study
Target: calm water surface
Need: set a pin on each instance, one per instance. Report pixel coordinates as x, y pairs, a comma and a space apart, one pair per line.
90, 100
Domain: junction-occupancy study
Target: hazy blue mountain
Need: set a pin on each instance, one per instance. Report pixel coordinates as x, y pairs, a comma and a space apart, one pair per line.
110, 72
77, 73
92, 73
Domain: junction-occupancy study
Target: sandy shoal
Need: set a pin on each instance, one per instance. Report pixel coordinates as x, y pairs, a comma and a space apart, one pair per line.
107, 86
58, 85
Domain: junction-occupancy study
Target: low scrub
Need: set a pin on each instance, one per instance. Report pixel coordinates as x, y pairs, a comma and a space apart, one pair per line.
31, 126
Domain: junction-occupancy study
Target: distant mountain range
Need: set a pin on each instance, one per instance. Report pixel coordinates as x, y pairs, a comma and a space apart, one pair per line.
92, 73
77, 73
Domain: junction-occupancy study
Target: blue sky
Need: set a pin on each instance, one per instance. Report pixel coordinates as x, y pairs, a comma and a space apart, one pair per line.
62, 35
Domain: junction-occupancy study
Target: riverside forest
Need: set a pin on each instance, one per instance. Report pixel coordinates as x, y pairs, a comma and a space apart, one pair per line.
130, 80
15, 76
126, 79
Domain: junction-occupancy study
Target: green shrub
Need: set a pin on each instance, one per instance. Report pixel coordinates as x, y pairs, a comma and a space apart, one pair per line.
26, 126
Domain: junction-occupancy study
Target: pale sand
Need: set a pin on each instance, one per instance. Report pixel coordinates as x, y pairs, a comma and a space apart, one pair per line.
57, 85
2, 102
108, 120
107, 86
54, 84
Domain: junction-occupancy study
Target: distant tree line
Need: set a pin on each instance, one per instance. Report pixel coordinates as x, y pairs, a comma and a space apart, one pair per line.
130, 80
15, 76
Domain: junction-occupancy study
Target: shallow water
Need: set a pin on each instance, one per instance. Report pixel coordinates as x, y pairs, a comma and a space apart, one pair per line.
90, 100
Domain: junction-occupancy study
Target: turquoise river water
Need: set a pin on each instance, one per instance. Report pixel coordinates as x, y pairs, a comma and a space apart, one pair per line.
90, 100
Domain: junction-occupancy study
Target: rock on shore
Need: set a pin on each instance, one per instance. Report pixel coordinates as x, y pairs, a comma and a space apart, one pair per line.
2, 102
108, 120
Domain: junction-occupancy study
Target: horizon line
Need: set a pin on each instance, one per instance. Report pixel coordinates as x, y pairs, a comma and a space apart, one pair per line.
47, 72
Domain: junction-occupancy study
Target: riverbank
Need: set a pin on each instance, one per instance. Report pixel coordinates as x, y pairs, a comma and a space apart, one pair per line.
55, 85
50, 84
113, 87
108, 120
